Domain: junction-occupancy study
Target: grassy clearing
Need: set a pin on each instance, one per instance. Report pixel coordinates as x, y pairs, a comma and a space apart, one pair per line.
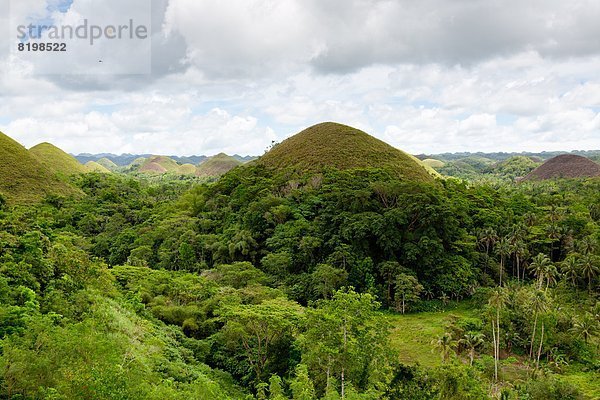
587, 382
412, 334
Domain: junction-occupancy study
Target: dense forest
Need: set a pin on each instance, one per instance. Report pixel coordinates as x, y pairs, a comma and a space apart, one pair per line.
284, 286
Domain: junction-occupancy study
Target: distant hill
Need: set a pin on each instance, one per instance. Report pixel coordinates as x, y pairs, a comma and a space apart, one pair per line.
565, 166
217, 165
187, 169
514, 167
435, 164
159, 164
57, 160
501, 156
337, 146
23, 178
107, 163
93, 166
125, 160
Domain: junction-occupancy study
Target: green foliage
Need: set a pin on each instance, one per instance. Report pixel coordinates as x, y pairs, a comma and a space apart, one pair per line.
408, 290
160, 288
257, 329
346, 342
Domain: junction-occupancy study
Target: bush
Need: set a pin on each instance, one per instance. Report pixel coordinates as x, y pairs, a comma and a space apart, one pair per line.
551, 389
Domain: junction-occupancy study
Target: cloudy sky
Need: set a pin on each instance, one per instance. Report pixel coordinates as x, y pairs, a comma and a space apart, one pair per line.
426, 76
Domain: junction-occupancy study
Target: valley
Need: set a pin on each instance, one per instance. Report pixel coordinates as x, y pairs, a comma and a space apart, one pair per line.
334, 266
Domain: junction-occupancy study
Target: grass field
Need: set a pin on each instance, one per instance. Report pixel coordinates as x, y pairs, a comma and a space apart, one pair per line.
412, 334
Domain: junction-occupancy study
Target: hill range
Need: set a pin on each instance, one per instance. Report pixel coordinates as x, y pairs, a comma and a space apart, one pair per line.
23, 177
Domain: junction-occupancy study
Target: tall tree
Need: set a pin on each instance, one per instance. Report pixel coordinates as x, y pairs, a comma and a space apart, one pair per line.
503, 250
408, 290
570, 269
258, 328
344, 340
590, 267
537, 305
471, 342
541, 266
496, 302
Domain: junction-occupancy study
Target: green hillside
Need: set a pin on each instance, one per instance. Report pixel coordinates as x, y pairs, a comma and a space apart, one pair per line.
108, 164
137, 163
94, 166
187, 169
430, 162
514, 167
332, 145
23, 179
217, 165
159, 164
56, 160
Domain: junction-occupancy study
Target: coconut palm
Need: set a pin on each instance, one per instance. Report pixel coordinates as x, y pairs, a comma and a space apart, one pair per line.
538, 305
570, 269
586, 327
519, 251
587, 245
446, 345
497, 301
487, 238
589, 267
503, 250
551, 275
471, 341
540, 265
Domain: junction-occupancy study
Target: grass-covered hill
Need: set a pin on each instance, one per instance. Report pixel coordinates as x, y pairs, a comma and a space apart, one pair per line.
23, 178
56, 160
433, 163
93, 166
187, 169
337, 146
566, 166
217, 165
514, 167
108, 164
159, 165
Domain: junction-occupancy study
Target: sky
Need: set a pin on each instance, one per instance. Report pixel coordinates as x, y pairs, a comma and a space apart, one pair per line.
427, 76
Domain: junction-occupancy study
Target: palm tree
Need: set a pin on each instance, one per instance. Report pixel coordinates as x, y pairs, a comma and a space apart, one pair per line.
445, 344
538, 305
444, 298
488, 238
503, 249
587, 245
554, 232
519, 251
586, 327
589, 266
551, 274
497, 300
570, 269
472, 341
540, 265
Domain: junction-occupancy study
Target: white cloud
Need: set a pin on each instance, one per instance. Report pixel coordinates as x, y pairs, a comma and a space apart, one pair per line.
429, 76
